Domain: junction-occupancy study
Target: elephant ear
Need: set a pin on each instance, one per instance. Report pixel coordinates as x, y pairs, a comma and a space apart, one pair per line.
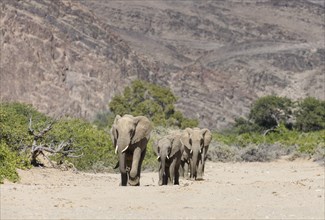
142, 129
155, 147
114, 130
207, 136
185, 138
176, 145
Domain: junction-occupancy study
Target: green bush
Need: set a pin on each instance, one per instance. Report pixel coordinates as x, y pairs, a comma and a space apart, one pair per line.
245, 126
304, 142
155, 102
9, 162
267, 110
95, 144
92, 142
310, 115
14, 122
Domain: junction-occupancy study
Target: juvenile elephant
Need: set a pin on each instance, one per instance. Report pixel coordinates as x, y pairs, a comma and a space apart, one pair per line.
185, 165
130, 136
169, 150
196, 142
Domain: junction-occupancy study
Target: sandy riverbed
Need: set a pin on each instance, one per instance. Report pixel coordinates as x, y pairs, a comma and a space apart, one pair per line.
275, 190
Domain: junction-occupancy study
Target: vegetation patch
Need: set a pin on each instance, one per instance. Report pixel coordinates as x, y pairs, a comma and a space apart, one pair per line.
275, 127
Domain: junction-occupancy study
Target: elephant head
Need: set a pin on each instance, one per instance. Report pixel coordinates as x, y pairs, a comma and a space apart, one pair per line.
130, 136
168, 150
196, 142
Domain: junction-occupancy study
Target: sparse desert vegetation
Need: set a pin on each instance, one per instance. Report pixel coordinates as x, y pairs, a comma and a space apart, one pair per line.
246, 141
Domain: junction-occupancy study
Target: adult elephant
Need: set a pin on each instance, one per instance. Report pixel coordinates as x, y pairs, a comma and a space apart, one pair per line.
130, 136
196, 142
169, 150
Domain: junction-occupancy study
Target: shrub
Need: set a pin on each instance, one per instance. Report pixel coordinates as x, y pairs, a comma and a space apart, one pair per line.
263, 152
95, 144
222, 153
245, 126
155, 102
14, 120
9, 162
269, 111
310, 115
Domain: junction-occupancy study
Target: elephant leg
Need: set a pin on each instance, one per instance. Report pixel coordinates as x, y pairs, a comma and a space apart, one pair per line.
181, 169
172, 172
176, 180
134, 179
200, 171
143, 154
161, 174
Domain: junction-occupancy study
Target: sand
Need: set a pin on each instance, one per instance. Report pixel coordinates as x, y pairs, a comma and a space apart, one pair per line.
276, 190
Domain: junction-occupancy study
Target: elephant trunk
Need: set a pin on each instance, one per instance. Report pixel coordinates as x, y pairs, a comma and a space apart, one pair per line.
194, 164
200, 166
122, 167
162, 171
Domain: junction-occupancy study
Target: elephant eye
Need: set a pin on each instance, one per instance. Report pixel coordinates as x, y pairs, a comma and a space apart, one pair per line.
132, 132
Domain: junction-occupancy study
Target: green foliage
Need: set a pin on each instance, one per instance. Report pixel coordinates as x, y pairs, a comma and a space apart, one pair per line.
310, 115
9, 162
103, 119
95, 144
150, 162
155, 102
267, 110
243, 126
304, 142
14, 121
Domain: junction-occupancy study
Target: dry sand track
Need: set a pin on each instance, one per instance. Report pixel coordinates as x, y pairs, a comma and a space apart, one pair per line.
276, 190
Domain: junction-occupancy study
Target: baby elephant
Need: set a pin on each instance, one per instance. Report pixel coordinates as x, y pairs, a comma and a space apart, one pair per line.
169, 150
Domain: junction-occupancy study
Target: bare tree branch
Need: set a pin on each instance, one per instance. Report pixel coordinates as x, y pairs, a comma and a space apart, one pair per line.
64, 148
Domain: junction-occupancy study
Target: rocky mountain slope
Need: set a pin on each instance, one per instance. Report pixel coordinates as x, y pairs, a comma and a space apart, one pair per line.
217, 56
58, 56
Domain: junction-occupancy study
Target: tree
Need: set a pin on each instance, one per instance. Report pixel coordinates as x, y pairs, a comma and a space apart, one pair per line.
153, 101
23, 141
310, 115
269, 111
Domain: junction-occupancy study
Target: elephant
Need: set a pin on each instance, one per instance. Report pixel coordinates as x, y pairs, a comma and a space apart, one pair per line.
130, 136
169, 150
196, 143
185, 165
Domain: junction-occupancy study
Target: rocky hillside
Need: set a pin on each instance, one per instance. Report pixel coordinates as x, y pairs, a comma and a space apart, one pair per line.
217, 56
61, 58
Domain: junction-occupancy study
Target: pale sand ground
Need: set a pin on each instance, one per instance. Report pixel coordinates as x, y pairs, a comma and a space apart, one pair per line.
276, 190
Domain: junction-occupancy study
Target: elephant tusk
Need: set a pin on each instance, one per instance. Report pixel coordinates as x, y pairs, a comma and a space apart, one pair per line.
200, 151
191, 151
116, 149
167, 157
125, 149
158, 157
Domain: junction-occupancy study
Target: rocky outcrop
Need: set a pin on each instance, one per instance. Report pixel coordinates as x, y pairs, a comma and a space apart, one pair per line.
58, 56
217, 56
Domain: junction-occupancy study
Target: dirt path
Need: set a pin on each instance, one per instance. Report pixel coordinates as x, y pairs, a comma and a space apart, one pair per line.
276, 190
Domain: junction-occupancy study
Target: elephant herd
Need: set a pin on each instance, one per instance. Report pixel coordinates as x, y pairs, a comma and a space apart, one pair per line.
180, 153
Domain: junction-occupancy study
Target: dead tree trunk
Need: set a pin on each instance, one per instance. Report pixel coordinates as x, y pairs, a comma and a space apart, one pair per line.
38, 148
